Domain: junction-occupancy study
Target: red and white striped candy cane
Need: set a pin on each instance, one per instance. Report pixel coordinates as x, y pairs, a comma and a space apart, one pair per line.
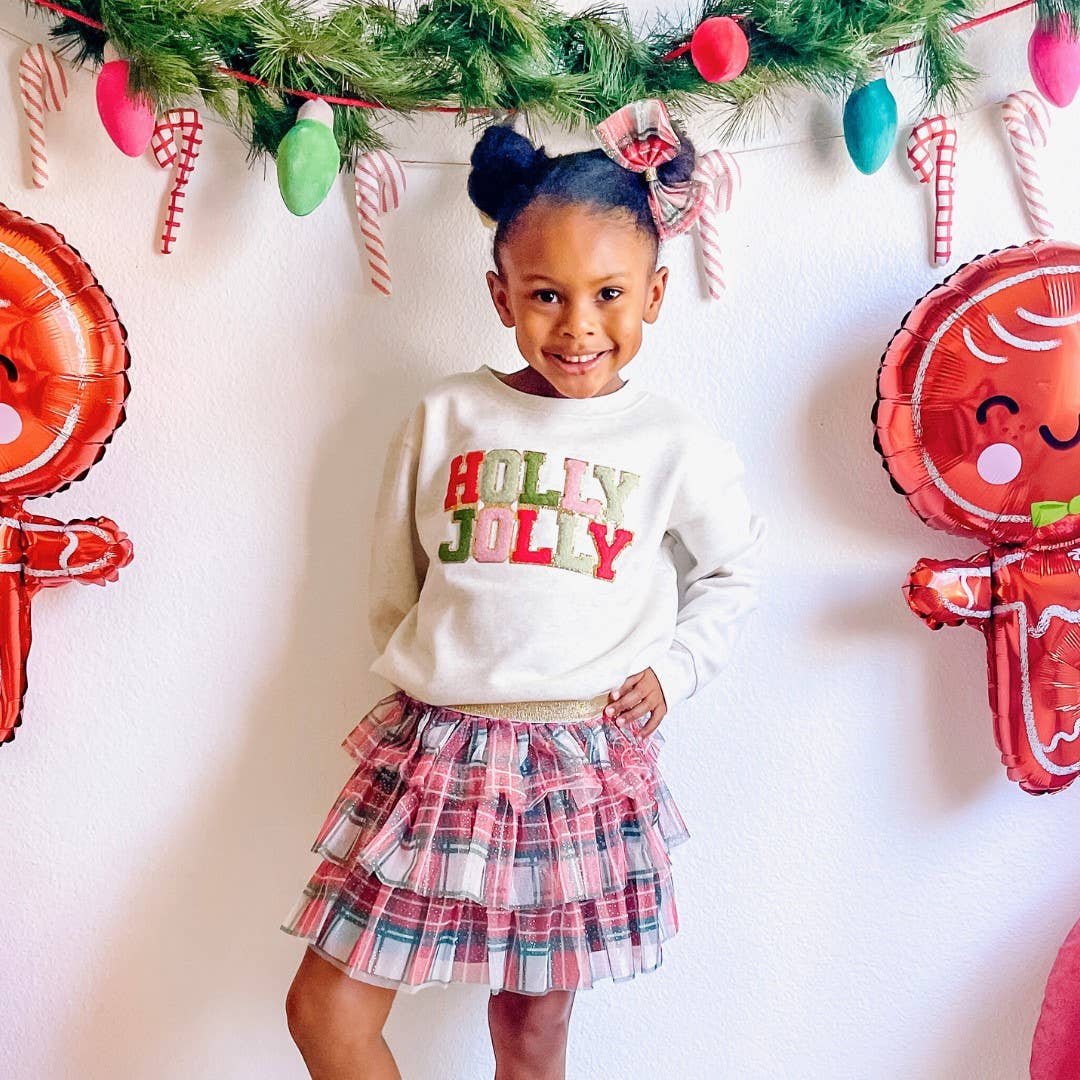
380, 183
42, 87
177, 138
931, 149
1027, 121
720, 172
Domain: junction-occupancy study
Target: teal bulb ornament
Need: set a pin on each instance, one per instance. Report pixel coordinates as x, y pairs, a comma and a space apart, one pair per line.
870, 125
308, 159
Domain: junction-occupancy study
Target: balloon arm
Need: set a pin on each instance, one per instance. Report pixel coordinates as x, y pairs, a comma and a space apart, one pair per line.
90, 551
951, 593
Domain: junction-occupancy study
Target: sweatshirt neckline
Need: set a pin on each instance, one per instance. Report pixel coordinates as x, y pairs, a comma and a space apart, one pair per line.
626, 397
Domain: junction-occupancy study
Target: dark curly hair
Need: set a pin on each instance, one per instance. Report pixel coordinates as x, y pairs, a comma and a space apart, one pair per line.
509, 173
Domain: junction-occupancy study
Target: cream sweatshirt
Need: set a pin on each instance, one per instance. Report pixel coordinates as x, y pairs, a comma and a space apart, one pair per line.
525, 547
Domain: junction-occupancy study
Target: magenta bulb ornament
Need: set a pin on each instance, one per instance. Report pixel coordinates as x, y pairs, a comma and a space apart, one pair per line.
1054, 60
128, 118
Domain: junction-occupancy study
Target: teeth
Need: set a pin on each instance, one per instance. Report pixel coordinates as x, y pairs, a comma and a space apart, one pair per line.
584, 359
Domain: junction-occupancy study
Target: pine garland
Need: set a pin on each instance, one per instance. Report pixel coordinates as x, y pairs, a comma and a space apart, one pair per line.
499, 55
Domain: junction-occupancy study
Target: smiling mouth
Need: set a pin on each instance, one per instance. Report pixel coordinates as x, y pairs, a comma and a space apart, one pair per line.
578, 359
1060, 444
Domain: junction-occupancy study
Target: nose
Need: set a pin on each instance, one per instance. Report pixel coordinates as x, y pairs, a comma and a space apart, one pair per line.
577, 321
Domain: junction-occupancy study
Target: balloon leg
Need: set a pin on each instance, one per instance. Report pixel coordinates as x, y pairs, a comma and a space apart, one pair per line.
14, 648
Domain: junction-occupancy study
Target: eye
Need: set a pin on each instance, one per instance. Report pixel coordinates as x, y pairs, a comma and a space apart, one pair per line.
10, 369
611, 289
543, 296
998, 399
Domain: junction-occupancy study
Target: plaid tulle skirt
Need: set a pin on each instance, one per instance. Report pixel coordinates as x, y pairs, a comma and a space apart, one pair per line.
522, 856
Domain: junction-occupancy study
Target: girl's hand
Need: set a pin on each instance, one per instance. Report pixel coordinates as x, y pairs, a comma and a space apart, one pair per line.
638, 695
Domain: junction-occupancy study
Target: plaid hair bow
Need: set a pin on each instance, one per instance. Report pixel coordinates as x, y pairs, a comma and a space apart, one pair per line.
640, 137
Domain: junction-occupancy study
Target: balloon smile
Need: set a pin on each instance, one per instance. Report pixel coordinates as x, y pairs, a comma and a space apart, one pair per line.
1060, 444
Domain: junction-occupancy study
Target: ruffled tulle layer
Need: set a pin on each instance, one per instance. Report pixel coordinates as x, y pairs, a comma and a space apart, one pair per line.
395, 937
504, 813
470, 849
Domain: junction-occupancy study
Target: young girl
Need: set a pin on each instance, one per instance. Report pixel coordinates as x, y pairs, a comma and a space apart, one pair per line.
507, 824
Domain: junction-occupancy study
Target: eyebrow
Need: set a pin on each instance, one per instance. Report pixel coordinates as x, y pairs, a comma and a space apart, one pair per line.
618, 275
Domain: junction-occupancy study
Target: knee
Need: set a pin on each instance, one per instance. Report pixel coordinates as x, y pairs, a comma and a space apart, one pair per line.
532, 1026
301, 1011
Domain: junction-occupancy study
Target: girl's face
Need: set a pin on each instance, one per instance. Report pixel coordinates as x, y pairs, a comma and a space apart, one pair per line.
576, 284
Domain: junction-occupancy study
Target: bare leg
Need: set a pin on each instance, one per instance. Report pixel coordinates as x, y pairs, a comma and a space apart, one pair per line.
528, 1034
337, 1023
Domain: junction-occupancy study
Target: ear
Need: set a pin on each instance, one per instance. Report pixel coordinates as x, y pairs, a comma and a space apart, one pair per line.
500, 297
654, 294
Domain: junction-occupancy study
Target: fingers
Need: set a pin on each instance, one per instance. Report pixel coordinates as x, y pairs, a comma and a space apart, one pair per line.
638, 701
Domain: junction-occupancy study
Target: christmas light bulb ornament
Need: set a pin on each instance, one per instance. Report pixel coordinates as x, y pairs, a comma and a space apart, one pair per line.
128, 118
870, 125
1054, 60
719, 49
308, 158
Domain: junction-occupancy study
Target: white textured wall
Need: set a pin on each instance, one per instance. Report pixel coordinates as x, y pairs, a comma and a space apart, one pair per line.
865, 895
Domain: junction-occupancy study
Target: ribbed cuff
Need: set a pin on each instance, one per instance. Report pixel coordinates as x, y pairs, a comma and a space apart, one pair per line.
676, 674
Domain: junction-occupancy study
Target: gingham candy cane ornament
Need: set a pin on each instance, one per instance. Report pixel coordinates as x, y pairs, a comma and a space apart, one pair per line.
1027, 121
380, 183
720, 173
42, 87
177, 138
931, 149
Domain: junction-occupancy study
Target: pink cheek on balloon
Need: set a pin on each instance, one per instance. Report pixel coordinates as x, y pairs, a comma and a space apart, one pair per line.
10, 424
999, 463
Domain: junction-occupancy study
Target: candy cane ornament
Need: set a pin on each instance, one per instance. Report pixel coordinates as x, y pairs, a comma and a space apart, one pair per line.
1027, 123
931, 150
42, 87
720, 172
177, 139
380, 183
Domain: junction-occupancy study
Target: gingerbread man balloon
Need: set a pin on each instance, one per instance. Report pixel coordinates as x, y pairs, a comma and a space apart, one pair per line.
63, 381
978, 420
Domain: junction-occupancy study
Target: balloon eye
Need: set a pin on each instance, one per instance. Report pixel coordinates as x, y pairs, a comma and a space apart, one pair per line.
9, 368
990, 402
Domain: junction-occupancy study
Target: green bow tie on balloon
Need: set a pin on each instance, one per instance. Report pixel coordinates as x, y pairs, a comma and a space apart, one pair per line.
1046, 513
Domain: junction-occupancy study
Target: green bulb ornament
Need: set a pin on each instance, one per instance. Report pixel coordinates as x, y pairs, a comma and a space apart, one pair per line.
308, 158
870, 125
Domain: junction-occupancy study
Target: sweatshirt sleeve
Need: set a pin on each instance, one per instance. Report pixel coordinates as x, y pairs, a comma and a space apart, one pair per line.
398, 563
711, 519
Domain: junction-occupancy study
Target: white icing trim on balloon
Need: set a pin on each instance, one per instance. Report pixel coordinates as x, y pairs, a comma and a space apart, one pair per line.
1047, 320
1037, 747
80, 343
49, 452
975, 351
920, 377
966, 613
1019, 342
73, 572
1061, 737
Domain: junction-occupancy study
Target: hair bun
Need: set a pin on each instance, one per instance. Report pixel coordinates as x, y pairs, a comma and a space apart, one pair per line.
503, 163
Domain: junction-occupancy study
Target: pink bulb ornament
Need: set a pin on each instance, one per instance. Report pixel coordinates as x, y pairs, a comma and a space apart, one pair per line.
719, 49
128, 118
1054, 60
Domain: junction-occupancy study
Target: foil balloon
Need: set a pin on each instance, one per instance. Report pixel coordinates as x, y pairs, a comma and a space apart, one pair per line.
978, 422
1055, 1050
63, 381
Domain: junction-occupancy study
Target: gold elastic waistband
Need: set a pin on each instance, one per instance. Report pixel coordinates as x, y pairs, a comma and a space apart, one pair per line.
538, 712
